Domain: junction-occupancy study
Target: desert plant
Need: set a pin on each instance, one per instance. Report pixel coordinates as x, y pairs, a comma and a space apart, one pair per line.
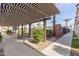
9, 32
49, 33
0, 37
38, 35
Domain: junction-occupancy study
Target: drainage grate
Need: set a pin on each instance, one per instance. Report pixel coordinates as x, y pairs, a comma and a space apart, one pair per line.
2, 52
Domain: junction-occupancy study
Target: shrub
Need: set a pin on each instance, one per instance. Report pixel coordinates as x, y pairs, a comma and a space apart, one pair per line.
9, 32
0, 37
49, 33
38, 35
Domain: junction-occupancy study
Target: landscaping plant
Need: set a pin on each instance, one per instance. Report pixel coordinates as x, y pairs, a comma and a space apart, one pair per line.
9, 32
38, 35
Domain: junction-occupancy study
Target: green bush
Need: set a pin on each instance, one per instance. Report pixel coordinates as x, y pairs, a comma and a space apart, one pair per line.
0, 37
38, 35
9, 32
49, 32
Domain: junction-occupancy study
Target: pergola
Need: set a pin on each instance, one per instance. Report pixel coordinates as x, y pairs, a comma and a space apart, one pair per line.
15, 14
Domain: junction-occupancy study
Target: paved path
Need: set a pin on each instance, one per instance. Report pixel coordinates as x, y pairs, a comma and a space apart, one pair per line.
2, 52
14, 48
61, 47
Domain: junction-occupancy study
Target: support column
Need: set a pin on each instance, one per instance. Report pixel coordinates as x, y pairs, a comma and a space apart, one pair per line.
44, 30
29, 30
8, 27
13, 29
22, 31
18, 31
54, 21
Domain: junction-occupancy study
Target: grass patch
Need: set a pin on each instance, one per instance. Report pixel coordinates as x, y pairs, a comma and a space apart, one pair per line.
75, 41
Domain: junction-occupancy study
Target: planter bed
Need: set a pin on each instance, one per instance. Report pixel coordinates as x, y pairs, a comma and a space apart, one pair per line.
40, 46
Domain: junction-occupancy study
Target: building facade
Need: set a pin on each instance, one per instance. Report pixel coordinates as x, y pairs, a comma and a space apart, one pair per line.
76, 25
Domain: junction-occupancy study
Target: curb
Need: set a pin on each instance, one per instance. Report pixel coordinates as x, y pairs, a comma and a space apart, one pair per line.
34, 48
74, 49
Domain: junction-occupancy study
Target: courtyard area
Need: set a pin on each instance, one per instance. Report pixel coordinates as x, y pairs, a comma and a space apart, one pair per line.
13, 47
37, 29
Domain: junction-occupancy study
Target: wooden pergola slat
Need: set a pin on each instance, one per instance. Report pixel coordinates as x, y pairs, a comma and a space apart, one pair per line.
24, 13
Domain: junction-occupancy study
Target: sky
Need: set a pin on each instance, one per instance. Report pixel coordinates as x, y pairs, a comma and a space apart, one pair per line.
67, 10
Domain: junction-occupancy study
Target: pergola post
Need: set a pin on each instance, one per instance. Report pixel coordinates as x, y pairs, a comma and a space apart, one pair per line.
18, 31
14, 31
29, 30
44, 22
8, 27
22, 31
54, 21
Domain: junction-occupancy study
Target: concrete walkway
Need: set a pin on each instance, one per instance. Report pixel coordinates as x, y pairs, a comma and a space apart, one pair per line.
13, 48
61, 47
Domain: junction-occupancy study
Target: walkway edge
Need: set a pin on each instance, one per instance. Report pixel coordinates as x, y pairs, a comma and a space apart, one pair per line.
33, 48
75, 49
